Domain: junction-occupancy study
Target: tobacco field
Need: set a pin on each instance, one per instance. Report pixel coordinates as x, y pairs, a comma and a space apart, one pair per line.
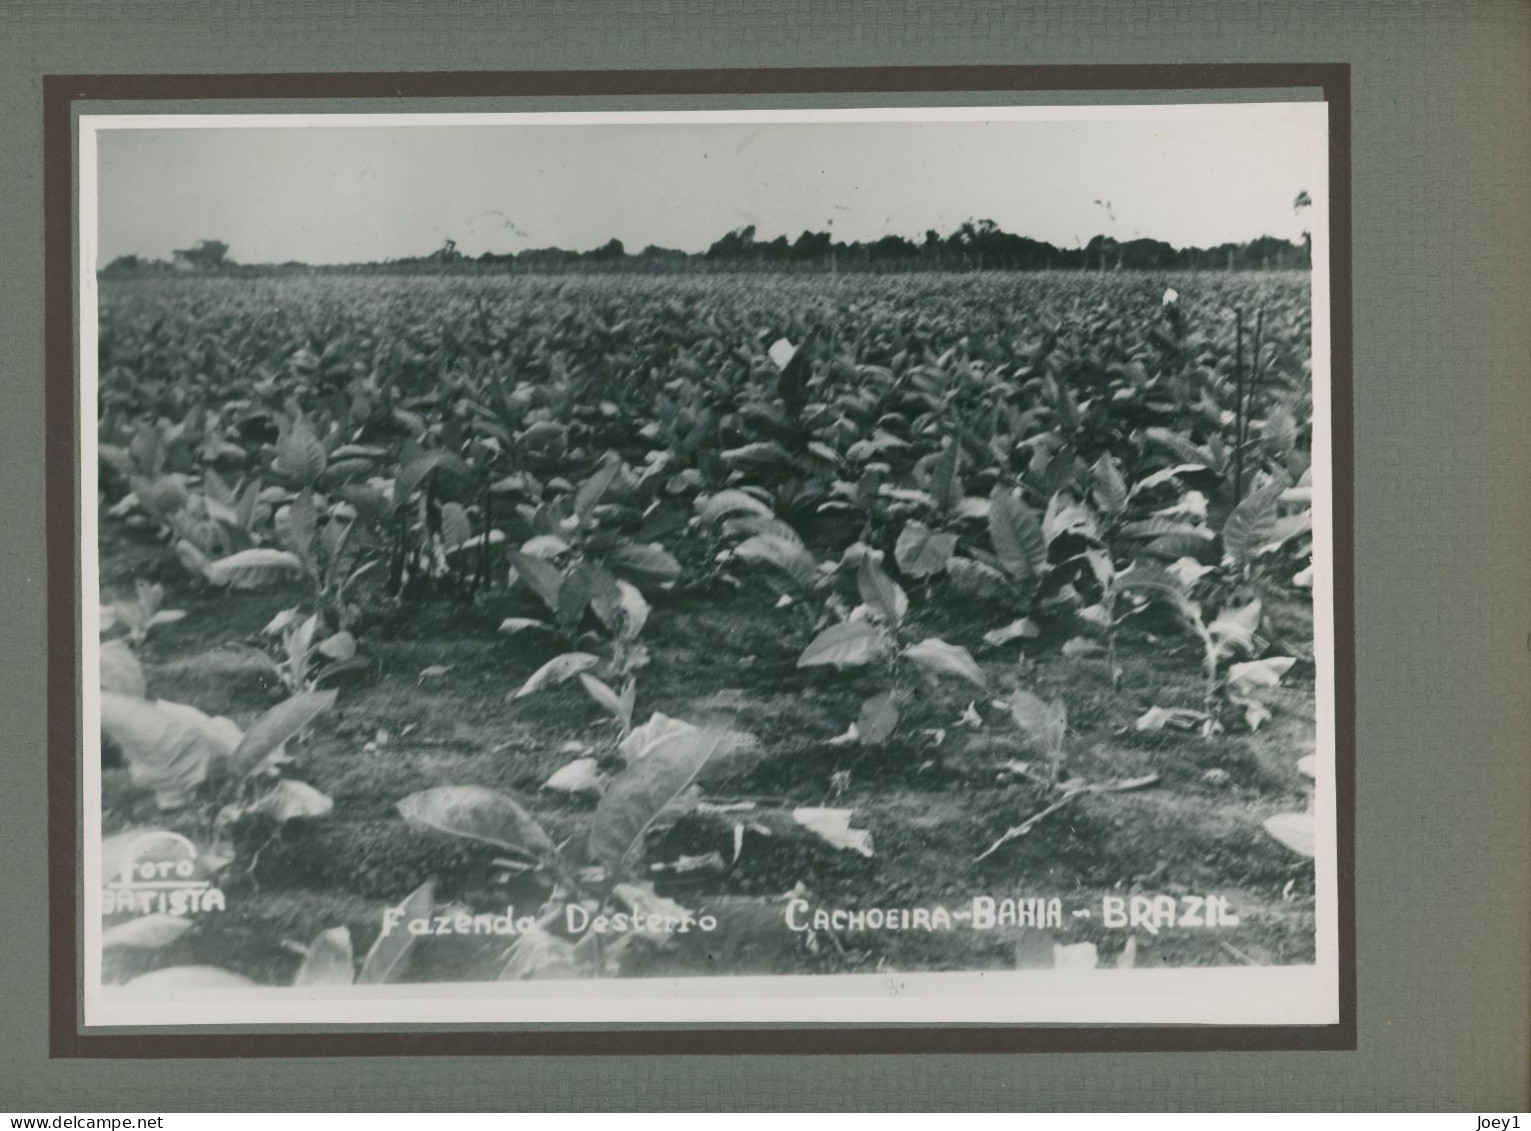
650, 598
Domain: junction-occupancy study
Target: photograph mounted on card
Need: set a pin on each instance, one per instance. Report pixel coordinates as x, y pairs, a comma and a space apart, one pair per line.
712, 568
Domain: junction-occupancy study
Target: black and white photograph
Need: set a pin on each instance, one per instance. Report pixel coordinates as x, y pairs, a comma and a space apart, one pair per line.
708, 567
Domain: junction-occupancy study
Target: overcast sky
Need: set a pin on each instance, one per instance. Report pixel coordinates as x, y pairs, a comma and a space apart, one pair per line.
350, 194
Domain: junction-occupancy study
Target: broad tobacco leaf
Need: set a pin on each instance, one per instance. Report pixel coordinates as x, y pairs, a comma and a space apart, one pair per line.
476, 813
642, 899
1066, 516
580, 776
848, 644
329, 962
834, 826
539, 954
1016, 534
725, 503
1235, 627
339, 647
389, 956
1023, 629
938, 656
634, 610
1298, 831
974, 579
541, 577
1075, 956
608, 699
880, 591
651, 735
1045, 723
415, 467
644, 564
456, 526
1259, 673
120, 670
1107, 486
276, 726
292, 799
788, 556
252, 569
556, 670
169, 746
878, 718
639, 794
300, 455
921, 552
1250, 526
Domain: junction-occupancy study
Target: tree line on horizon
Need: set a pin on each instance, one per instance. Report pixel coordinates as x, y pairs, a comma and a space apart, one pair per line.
975, 245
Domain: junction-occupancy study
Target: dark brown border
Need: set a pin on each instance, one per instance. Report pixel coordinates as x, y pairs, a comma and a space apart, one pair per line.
60, 92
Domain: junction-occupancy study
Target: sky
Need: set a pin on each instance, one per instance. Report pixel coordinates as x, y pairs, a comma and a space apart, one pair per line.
329, 194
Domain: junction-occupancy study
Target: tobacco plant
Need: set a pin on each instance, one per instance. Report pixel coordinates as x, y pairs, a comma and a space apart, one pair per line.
598, 871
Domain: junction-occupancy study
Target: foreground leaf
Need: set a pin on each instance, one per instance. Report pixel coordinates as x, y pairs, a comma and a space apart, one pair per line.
881, 592
1298, 831
938, 656
636, 798
789, 557
1016, 534
277, 725
580, 776
1045, 723
1235, 626
252, 569
848, 644
289, 800
169, 746
539, 954
1107, 486
556, 670
1259, 673
540, 577
476, 813
725, 503
975, 579
645, 739
329, 962
834, 826
878, 718
644, 564
1157, 718
389, 956
121, 671
1023, 629
921, 552
1250, 526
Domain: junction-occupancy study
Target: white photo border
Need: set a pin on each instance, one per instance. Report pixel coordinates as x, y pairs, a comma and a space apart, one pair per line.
1240, 995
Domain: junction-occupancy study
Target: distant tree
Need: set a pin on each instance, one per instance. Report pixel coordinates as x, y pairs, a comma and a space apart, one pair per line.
811, 245
125, 265
735, 245
447, 252
1299, 206
663, 254
890, 249
204, 255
